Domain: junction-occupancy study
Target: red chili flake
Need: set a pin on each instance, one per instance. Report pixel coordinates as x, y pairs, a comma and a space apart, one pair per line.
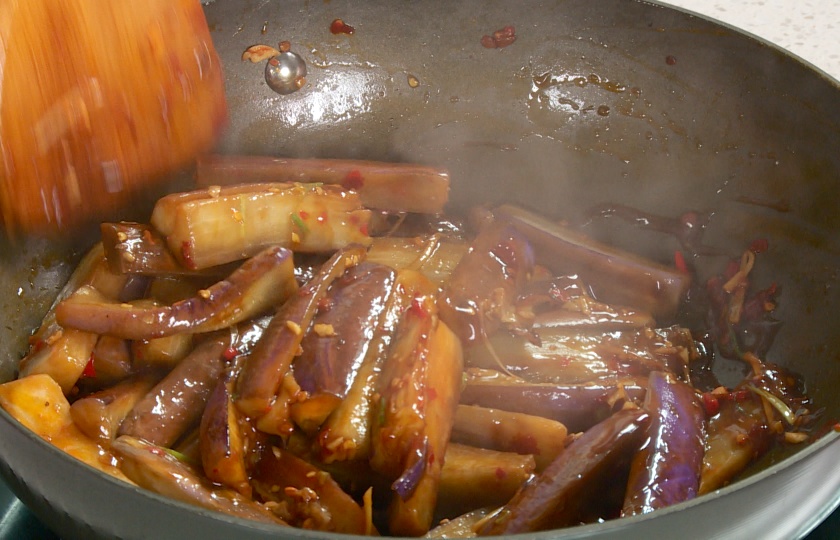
230, 353
353, 180
340, 27
500, 38
418, 307
431, 394
186, 254
364, 229
679, 262
37, 344
525, 444
501, 474
837, 427
711, 404
740, 395
670, 60
759, 245
90, 369
322, 217
303, 214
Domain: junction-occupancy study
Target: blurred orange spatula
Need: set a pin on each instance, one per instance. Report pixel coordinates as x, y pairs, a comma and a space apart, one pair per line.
99, 99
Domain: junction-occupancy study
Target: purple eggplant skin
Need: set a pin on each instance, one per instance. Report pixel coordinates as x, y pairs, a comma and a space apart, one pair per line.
349, 314
258, 284
153, 468
486, 282
263, 372
577, 406
558, 497
666, 470
177, 402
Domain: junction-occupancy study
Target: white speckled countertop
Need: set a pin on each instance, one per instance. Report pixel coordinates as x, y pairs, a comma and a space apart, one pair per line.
810, 29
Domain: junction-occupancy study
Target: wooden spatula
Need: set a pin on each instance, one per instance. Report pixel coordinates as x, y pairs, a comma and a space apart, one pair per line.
98, 100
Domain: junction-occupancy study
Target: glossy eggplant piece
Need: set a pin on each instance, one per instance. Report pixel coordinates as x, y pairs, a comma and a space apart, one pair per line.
394, 187
432, 391
475, 478
346, 433
483, 288
616, 276
506, 431
260, 283
176, 403
111, 362
435, 255
223, 438
558, 496
100, 415
572, 356
214, 226
38, 403
155, 469
418, 393
737, 434
264, 370
463, 526
667, 470
137, 248
342, 332
63, 353
576, 406
313, 500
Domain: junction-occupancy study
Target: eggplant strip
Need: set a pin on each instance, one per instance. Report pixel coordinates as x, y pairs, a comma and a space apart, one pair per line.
100, 415
394, 187
616, 276
667, 470
556, 497
313, 499
263, 372
222, 443
346, 433
333, 350
505, 431
215, 226
39, 404
155, 469
63, 353
412, 507
475, 478
434, 256
577, 406
260, 283
137, 248
176, 403
484, 286
737, 435
571, 356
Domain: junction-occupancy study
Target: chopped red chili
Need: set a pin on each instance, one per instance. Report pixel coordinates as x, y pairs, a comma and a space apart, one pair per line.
679, 262
90, 369
340, 27
353, 180
711, 404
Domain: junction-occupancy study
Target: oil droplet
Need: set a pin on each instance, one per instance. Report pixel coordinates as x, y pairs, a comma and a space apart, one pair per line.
603, 110
413, 81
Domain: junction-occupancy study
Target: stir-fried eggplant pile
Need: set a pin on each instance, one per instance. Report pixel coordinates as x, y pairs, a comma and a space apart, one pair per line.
310, 343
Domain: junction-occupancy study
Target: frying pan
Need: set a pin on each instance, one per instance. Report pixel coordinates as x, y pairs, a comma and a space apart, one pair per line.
615, 101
